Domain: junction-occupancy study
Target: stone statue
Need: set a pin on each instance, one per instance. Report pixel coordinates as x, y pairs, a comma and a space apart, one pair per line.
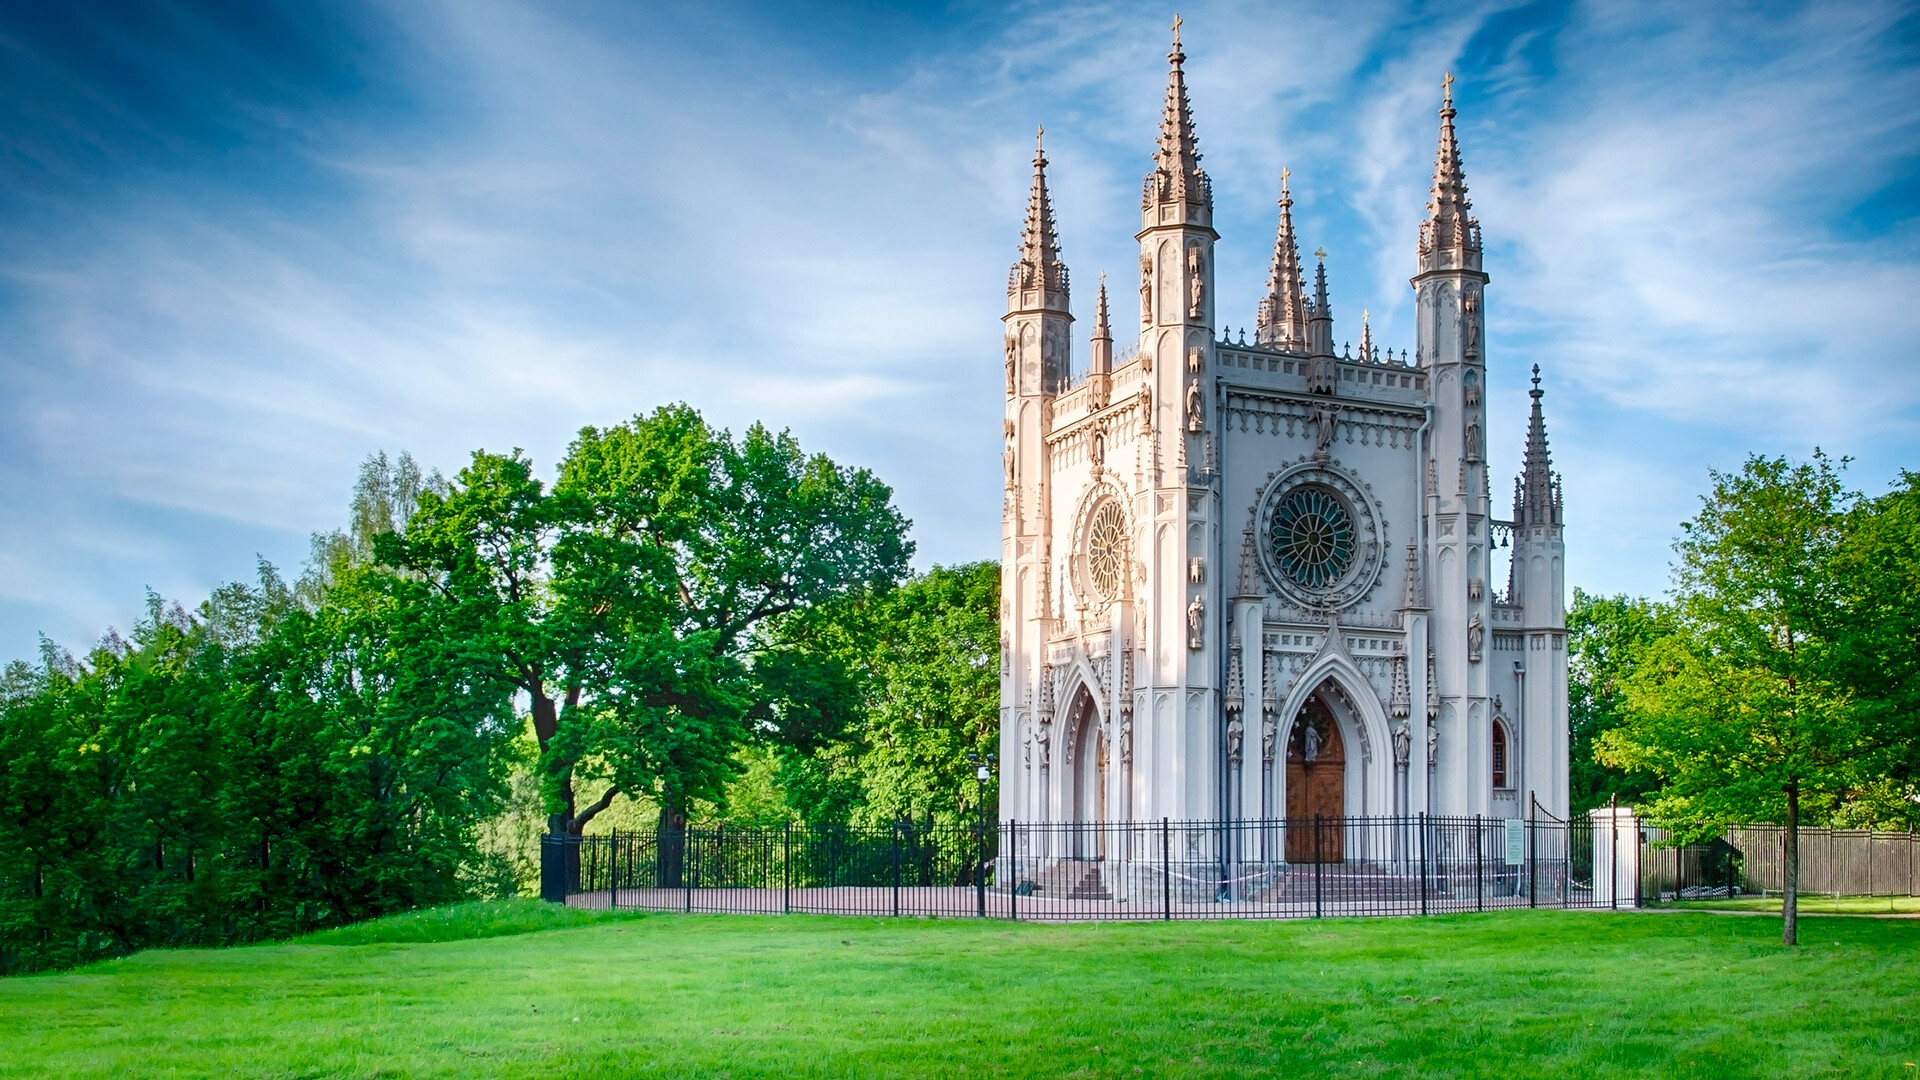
1126, 740
1310, 742
1235, 733
1325, 422
1146, 290
1470, 325
1097, 449
1402, 743
1196, 416
1433, 745
1013, 358
1476, 636
1007, 457
1044, 737
1266, 739
1473, 438
1196, 283
1196, 624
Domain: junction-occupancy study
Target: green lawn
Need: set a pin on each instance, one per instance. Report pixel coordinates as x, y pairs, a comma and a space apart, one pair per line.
1526, 993
1816, 905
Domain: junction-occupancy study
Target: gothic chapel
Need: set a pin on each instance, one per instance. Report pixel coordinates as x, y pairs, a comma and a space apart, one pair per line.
1247, 581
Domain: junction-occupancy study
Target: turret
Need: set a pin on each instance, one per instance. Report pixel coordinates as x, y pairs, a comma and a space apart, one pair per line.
1538, 584
1037, 292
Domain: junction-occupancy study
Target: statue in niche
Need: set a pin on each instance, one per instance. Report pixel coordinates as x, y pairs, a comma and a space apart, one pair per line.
1097, 449
1196, 624
1196, 284
1013, 358
1044, 737
1146, 290
1196, 416
1126, 739
1476, 636
1473, 438
1470, 324
1402, 743
1008, 459
1235, 733
1267, 735
1310, 742
1433, 745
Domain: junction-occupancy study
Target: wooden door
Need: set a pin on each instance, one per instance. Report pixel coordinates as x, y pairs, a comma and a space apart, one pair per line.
1316, 786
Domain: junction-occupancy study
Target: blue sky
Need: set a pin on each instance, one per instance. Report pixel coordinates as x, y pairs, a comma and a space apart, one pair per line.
243, 245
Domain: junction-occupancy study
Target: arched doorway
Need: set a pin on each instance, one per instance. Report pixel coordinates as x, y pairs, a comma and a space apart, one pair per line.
1085, 790
1316, 784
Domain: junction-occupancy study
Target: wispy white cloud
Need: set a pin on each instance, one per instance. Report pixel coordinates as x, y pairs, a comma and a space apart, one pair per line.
577, 214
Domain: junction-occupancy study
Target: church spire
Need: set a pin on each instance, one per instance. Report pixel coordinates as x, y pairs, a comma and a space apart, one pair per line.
1100, 368
1322, 376
1536, 502
1177, 176
1366, 337
1281, 321
1450, 237
1038, 278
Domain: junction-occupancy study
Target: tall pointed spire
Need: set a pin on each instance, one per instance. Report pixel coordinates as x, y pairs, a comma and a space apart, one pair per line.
1282, 319
1177, 176
1321, 374
1366, 337
1100, 367
1450, 237
1038, 278
1535, 501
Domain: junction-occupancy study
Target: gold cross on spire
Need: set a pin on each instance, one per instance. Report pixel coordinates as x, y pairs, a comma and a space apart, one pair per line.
1366, 315
1321, 254
1284, 174
1176, 29
1446, 87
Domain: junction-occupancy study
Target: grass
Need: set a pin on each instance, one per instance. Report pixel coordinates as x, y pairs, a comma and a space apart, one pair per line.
520, 990
1815, 905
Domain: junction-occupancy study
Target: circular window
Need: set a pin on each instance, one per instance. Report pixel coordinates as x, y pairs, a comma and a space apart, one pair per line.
1313, 537
1106, 550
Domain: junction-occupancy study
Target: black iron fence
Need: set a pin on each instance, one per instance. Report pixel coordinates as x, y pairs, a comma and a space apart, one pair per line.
1298, 868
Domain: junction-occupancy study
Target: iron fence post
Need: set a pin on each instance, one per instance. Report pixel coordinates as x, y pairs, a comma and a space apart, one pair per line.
687, 854
1729, 862
896, 869
1423, 863
1013, 881
786, 868
1613, 853
1479, 862
1166, 869
980, 866
1533, 873
1317, 857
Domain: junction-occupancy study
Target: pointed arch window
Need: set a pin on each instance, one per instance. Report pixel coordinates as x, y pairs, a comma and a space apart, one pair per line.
1500, 756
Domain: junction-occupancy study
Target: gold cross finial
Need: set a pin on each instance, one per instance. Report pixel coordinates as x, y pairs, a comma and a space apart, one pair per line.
1321, 254
1039, 135
1365, 315
1446, 87
1284, 174
1176, 30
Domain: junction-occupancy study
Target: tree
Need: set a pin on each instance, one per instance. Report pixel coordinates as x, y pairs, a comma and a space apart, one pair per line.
1876, 626
653, 606
1604, 636
1736, 712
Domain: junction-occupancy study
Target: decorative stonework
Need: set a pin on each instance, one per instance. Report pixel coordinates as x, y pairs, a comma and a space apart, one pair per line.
1339, 582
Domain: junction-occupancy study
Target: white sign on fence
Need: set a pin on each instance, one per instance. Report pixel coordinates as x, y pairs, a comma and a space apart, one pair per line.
1516, 841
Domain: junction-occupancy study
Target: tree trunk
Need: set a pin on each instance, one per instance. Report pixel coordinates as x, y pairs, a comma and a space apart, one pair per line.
546, 723
1790, 896
671, 839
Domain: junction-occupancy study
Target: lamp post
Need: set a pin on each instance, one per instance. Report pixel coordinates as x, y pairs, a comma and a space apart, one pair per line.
981, 774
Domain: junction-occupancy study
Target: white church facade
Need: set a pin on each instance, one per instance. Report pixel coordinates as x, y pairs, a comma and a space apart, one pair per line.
1245, 581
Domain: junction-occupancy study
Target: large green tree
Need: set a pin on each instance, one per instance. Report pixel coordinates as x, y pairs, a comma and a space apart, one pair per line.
1737, 712
653, 606
1604, 636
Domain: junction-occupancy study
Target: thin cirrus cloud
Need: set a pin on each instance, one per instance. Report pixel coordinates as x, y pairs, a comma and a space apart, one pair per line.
244, 247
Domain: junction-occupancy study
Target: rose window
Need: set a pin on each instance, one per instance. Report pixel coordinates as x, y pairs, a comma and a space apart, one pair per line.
1106, 550
1313, 537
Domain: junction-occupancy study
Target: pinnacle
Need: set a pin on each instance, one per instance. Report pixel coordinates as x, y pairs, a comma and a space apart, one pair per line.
1450, 225
1282, 318
1177, 176
1534, 501
1039, 266
1100, 329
